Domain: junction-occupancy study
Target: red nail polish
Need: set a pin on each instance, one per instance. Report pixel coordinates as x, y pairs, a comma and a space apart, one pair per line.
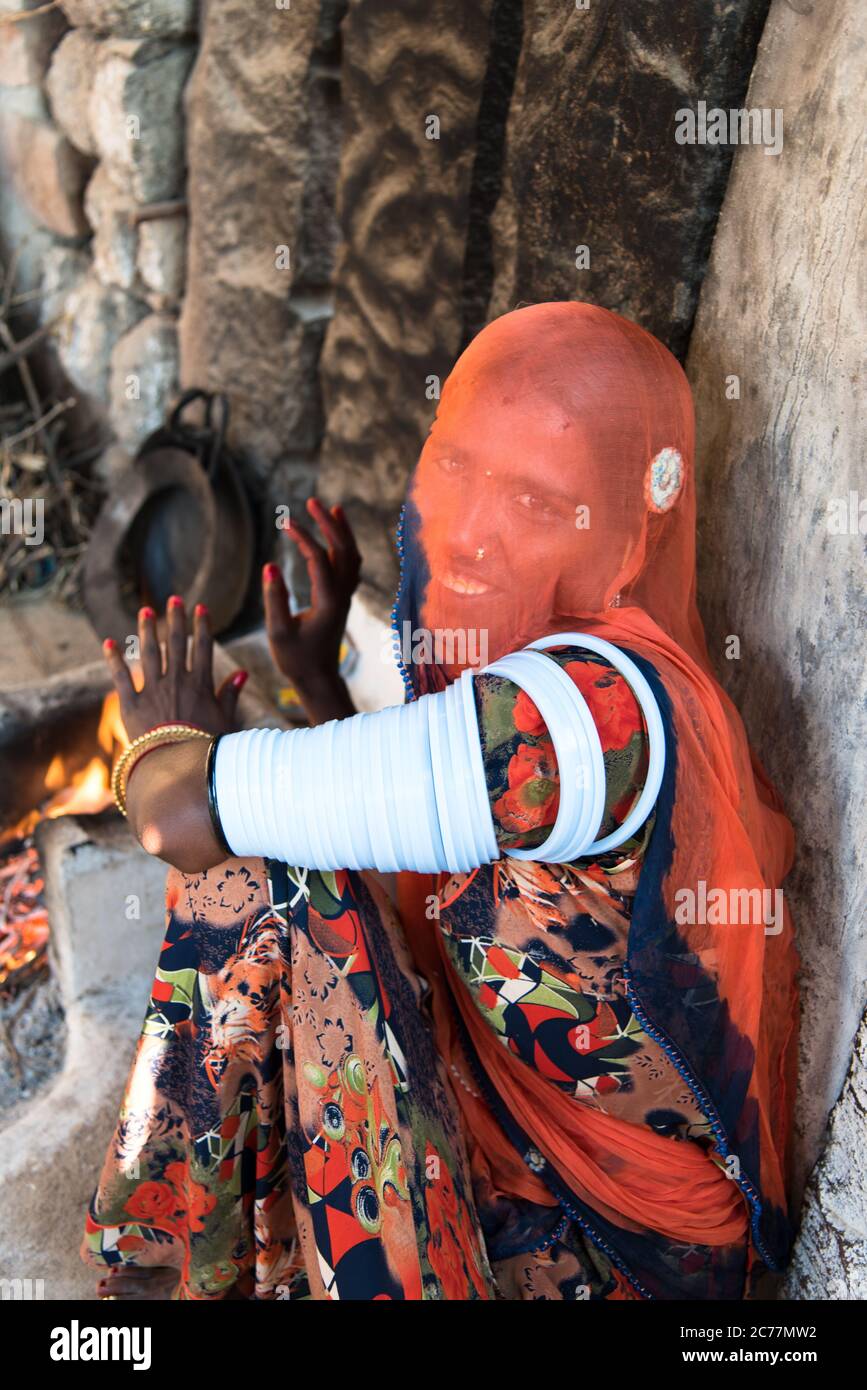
272, 573
201, 610
240, 678
109, 644
145, 614
175, 601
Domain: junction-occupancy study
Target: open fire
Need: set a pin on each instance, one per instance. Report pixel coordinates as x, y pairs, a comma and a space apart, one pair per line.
23, 918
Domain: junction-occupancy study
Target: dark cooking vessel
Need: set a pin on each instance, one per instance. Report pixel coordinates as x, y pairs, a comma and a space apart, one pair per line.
178, 522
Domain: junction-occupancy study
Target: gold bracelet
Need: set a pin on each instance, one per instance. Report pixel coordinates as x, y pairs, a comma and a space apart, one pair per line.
154, 738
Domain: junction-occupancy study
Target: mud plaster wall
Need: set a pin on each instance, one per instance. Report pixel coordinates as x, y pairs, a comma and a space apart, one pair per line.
783, 308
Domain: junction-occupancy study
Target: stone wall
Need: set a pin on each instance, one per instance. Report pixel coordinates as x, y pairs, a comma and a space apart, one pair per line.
264, 113
830, 1257
92, 148
412, 89
479, 153
591, 159
783, 310
457, 157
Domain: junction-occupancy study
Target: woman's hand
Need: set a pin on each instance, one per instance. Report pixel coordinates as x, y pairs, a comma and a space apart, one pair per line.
306, 646
167, 806
178, 694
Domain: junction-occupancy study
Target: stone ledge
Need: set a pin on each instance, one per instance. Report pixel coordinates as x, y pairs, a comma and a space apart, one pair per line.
53, 1148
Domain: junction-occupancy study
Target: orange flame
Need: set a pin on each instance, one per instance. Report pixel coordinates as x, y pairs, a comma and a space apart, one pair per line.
85, 792
111, 730
23, 917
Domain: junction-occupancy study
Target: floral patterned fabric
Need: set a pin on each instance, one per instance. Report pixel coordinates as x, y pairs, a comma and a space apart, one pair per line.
289, 1130
287, 1127
551, 966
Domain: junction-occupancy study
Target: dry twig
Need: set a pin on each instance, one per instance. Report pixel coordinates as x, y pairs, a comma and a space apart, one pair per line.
38, 467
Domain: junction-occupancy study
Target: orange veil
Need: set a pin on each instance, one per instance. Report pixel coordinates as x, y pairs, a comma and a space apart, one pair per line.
556, 492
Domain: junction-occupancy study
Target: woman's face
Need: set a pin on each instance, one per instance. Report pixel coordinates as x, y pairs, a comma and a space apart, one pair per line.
510, 530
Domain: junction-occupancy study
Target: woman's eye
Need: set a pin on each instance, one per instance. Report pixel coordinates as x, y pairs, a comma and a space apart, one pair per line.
537, 505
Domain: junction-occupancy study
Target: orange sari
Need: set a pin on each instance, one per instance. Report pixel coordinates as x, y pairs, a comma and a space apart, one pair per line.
556, 493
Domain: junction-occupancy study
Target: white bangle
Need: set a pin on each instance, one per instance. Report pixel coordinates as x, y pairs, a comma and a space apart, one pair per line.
404, 788
653, 722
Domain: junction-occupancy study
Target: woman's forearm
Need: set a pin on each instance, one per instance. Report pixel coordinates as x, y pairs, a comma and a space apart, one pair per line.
167, 805
172, 779
402, 788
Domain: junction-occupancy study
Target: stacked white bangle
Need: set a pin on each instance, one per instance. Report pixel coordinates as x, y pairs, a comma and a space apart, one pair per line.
405, 788
655, 735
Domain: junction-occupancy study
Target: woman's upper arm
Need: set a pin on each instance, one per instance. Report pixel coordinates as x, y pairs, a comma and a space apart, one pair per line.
518, 755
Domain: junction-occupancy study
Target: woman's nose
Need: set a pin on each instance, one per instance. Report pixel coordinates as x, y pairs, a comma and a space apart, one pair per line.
474, 525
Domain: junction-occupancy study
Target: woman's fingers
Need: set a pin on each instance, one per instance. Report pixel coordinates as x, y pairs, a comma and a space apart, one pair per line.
176, 643
333, 572
149, 646
327, 525
154, 1283
353, 554
228, 693
279, 622
120, 672
203, 646
342, 550
318, 566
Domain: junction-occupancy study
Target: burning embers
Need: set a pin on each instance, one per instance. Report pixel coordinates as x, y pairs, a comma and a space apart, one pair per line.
23, 918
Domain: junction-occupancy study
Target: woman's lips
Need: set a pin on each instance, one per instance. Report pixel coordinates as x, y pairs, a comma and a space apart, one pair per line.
463, 584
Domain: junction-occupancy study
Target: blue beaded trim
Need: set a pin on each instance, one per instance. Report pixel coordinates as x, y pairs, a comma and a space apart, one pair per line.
558, 1231
702, 1098
549, 1175
396, 638
707, 1108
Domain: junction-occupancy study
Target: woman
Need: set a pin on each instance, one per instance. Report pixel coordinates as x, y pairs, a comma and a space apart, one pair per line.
606, 1111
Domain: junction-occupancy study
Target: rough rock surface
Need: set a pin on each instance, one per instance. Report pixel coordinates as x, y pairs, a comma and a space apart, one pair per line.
25, 48
48, 174
136, 115
404, 214
783, 310
144, 379
591, 159
557, 130
830, 1258
262, 106
104, 948
95, 316
115, 240
32, 1040
69, 83
161, 259
131, 19
62, 267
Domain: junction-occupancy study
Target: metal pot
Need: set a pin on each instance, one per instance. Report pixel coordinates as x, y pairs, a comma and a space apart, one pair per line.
179, 521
